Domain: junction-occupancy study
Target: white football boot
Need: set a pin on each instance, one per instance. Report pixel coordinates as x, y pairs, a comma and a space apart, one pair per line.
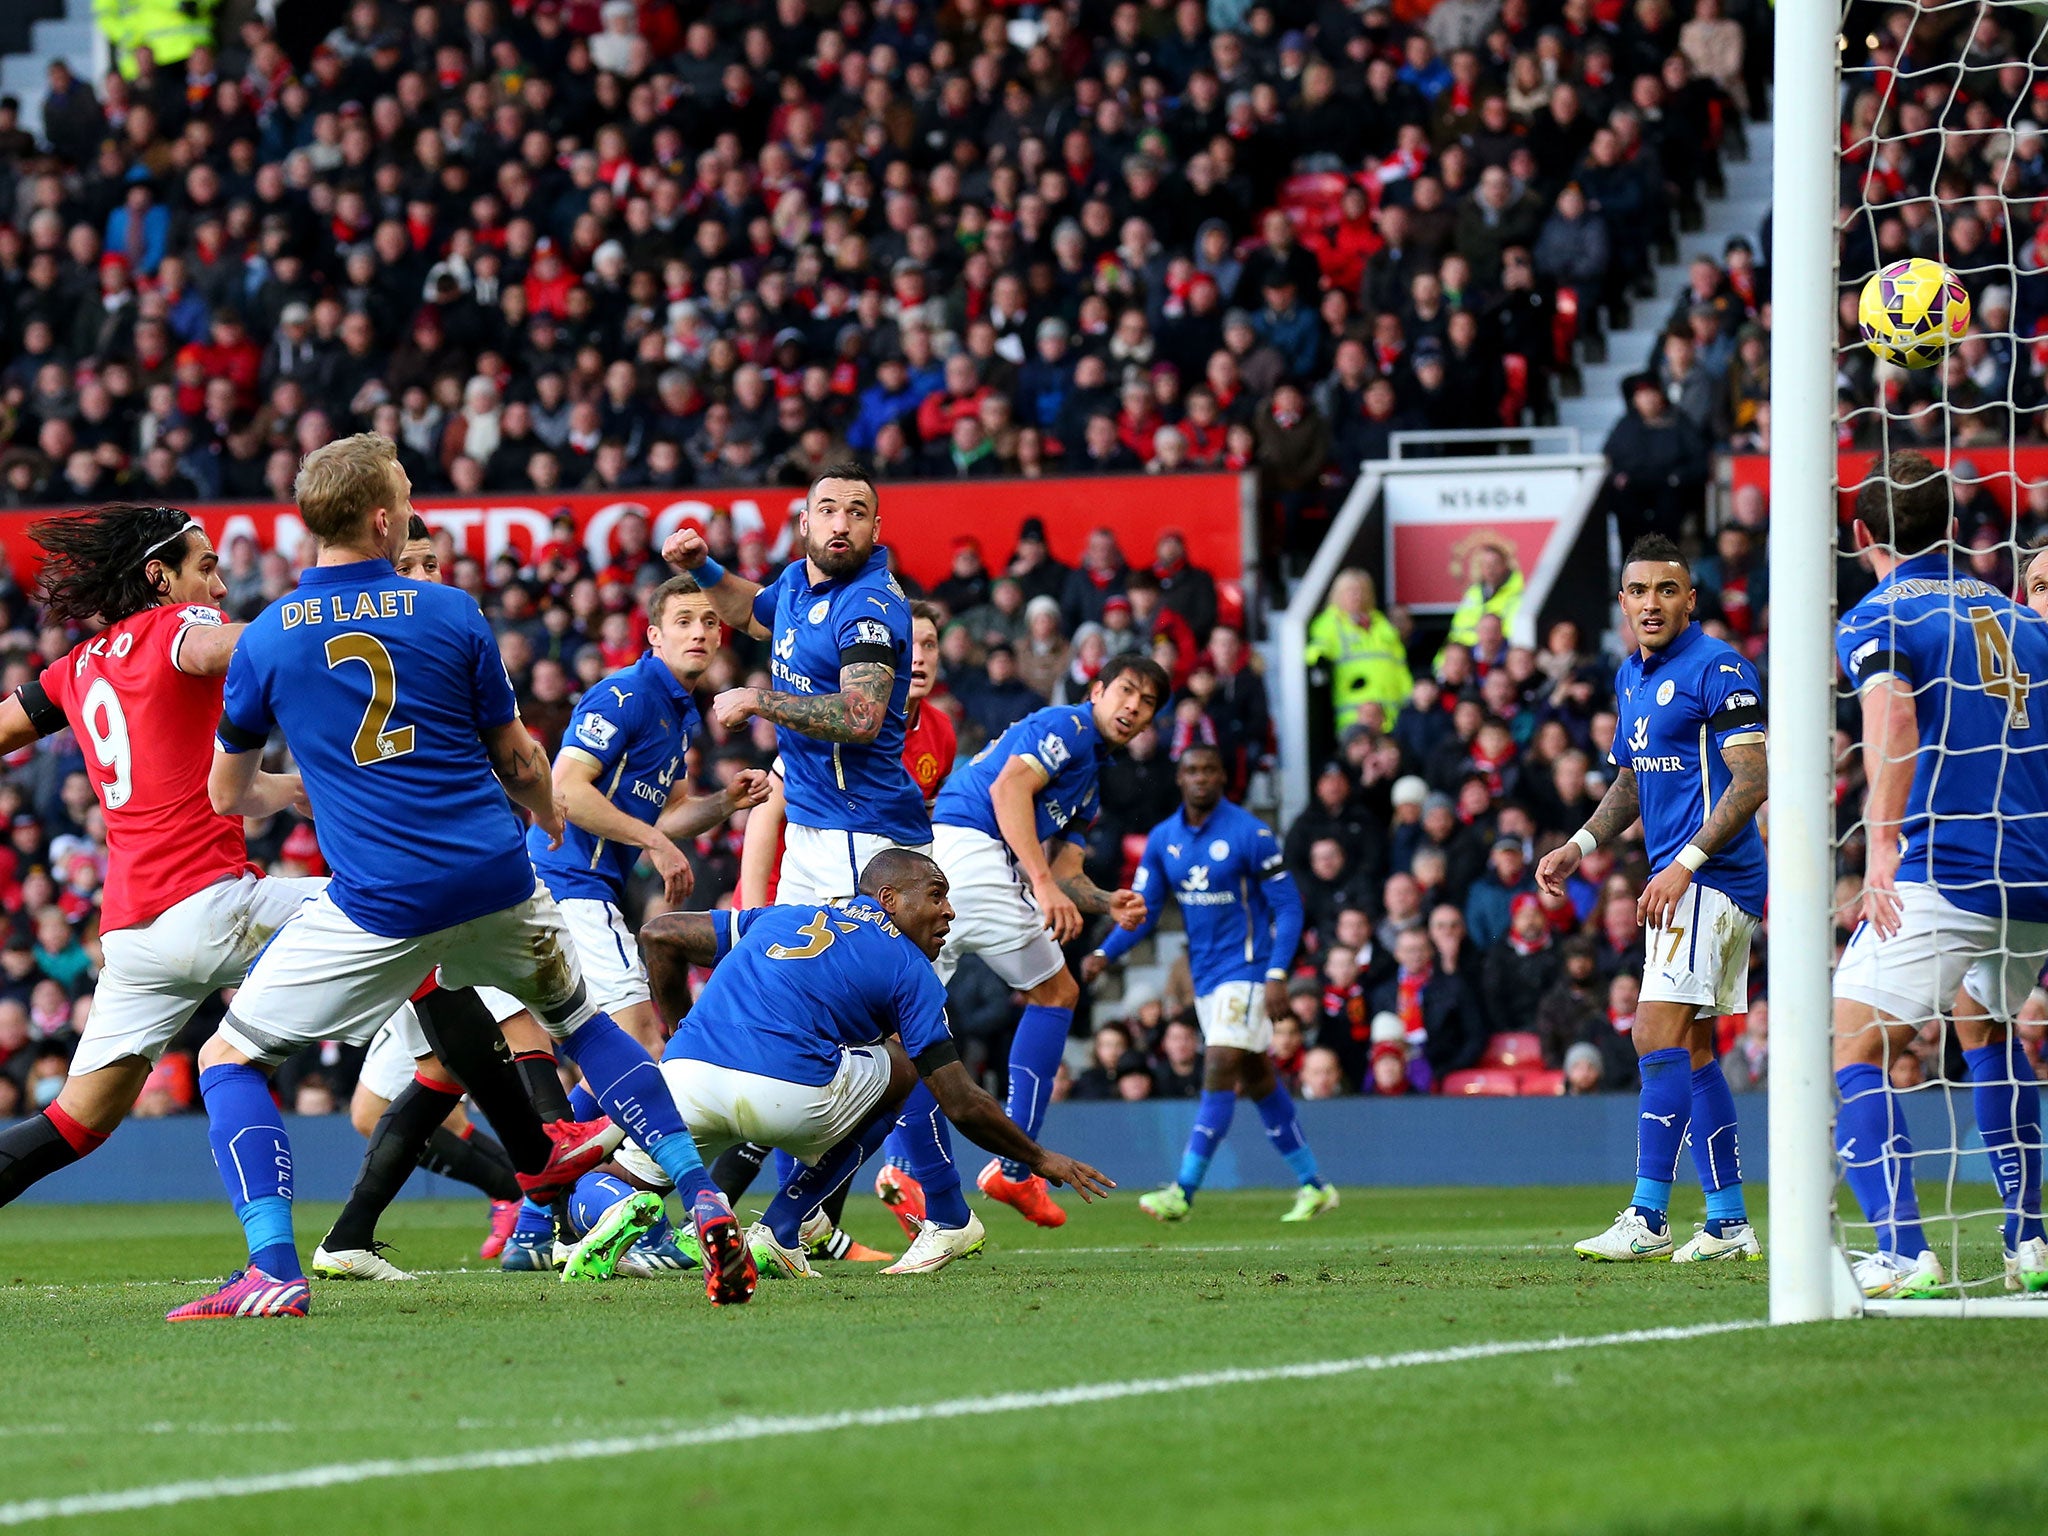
770, 1257
937, 1246
356, 1264
2026, 1269
1703, 1247
1882, 1275
1631, 1240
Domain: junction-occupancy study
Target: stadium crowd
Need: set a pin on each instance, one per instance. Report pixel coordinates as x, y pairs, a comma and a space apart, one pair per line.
555, 246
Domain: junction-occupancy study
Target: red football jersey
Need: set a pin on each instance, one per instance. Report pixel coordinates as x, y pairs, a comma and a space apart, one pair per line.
146, 732
929, 747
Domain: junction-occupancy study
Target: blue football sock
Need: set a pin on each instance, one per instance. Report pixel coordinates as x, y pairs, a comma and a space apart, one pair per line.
594, 1194
1212, 1124
255, 1162
583, 1104
2008, 1104
631, 1089
895, 1151
1877, 1158
1283, 1129
534, 1221
803, 1191
1034, 1061
1663, 1111
1716, 1152
927, 1143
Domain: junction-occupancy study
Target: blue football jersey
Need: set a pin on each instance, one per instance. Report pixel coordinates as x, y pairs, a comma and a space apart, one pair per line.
1976, 822
814, 631
635, 727
381, 686
1065, 744
1237, 901
1676, 711
794, 985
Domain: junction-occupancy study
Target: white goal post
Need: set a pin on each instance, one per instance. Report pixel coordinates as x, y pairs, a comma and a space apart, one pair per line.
1805, 1283
1810, 1277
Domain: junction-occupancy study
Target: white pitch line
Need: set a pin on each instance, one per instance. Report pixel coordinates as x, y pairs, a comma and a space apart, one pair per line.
735, 1431
1306, 1248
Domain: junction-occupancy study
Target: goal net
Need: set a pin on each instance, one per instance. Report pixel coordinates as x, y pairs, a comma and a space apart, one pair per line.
1942, 154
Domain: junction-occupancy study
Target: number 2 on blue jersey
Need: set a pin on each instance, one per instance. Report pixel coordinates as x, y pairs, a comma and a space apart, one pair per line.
373, 742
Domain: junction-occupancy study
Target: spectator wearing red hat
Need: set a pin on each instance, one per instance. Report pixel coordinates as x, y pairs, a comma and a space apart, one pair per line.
967, 584
1521, 967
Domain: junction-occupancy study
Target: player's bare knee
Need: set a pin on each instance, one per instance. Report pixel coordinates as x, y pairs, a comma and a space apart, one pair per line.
217, 1052
365, 1109
1058, 990
100, 1100
1224, 1069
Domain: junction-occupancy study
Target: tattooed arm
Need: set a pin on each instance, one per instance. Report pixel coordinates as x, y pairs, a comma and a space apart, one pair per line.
1737, 806
1616, 812
1748, 784
522, 767
1127, 907
855, 713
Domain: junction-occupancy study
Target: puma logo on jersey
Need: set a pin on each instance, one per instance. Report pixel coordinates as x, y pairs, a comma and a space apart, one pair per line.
1173, 850
1726, 668
620, 693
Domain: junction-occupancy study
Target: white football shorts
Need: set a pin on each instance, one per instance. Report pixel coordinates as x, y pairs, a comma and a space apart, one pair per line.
822, 865
1702, 956
156, 975
993, 914
1913, 975
325, 978
398, 1044
1235, 1015
724, 1107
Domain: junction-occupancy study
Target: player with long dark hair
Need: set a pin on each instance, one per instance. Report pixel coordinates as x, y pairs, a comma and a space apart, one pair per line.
183, 912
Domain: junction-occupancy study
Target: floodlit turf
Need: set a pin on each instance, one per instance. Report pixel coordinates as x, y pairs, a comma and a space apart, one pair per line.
1872, 1427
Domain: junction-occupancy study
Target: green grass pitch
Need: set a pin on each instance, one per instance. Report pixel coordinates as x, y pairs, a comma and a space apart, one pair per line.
1870, 1427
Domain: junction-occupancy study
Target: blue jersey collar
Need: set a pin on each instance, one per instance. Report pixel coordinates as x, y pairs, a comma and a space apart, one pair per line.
878, 560
656, 673
337, 575
1687, 639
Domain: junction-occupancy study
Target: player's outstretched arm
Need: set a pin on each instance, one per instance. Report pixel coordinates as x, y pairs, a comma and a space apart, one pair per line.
732, 596
763, 845
981, 1120
671, 944
1127, 907
522, 767
855, 714
587, 806
696, 815
1616, 813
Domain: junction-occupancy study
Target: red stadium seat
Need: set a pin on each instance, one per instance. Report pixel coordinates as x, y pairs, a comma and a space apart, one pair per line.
1484, 1083
1516, 1048
1515, 371
1542, 1085
1134, 854
1564, 323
